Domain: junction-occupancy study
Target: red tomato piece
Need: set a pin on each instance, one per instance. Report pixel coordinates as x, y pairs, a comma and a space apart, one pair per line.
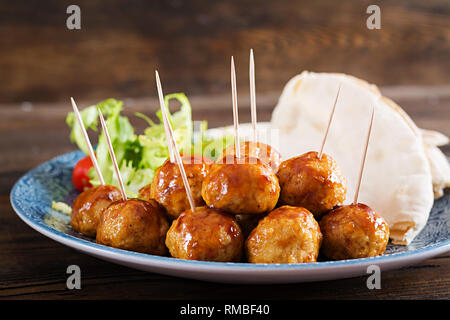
80, 177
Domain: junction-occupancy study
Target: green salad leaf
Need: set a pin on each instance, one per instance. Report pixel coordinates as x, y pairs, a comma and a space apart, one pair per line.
138, 156
154, 141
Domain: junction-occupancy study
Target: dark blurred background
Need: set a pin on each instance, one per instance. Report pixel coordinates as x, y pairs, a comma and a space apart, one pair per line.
190, 42
121, 43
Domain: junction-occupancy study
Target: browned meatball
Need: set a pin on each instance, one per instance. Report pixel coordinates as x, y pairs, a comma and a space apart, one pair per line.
241, 188
205, 234
286, 235
353, 231
145, 193
168, 189
315, 184
88, 207
259, 150
135, 225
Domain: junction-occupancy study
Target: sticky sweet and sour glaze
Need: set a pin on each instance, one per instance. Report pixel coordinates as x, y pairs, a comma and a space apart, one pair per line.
88, 207
353, 231
134, 225
315, 184
268, 155
286, 235
168, 189
205, 234
246, 186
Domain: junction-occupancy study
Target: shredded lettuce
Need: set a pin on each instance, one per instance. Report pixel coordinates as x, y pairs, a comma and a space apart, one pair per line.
125, 143
138, 156
154, 142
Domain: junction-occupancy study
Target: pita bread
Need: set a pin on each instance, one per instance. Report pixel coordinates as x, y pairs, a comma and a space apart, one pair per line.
439, 165
397, 180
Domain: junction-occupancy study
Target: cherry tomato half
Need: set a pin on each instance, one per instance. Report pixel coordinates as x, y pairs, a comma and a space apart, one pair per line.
80, 177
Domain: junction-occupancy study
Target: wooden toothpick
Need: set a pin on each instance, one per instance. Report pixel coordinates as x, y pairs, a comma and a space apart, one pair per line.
87, 141
175, 148
112, 155
355, 200
165, 117
237, 149
329, 123
253, 96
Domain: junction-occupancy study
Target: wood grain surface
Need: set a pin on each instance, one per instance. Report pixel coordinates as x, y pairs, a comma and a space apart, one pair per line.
190, 43
34, 267
115, 53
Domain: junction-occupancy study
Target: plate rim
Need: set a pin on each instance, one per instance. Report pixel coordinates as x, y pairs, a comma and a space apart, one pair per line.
91, 247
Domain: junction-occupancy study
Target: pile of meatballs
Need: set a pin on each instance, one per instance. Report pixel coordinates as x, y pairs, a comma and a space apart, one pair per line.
254, 208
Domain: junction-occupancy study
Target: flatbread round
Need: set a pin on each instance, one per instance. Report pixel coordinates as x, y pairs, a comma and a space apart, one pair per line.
397, 180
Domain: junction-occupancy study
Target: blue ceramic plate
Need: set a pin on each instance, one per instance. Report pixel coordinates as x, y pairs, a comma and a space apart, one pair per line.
32, 196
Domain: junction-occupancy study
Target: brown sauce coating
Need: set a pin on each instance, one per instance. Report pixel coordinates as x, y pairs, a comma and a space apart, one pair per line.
145, 192
315, 184
353, 231
134, 225
249, 149
168, 189
205, 234
248, 188
286, 235
88, 208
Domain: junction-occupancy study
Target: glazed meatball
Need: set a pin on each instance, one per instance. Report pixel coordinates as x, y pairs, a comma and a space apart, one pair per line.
134, 225
205, 234
259, 150
88, 207
145, 193
286, 235
241, 187
168, 189
353, 231
315, 184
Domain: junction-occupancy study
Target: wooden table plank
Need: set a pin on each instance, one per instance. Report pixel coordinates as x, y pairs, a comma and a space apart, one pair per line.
34, 267
190, 43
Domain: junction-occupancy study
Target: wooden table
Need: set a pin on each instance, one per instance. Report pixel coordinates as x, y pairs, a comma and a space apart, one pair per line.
34, 267
115, 53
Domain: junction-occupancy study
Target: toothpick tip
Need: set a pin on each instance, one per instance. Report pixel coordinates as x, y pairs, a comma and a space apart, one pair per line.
74, 105
87, 141
329, 122
165, 118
